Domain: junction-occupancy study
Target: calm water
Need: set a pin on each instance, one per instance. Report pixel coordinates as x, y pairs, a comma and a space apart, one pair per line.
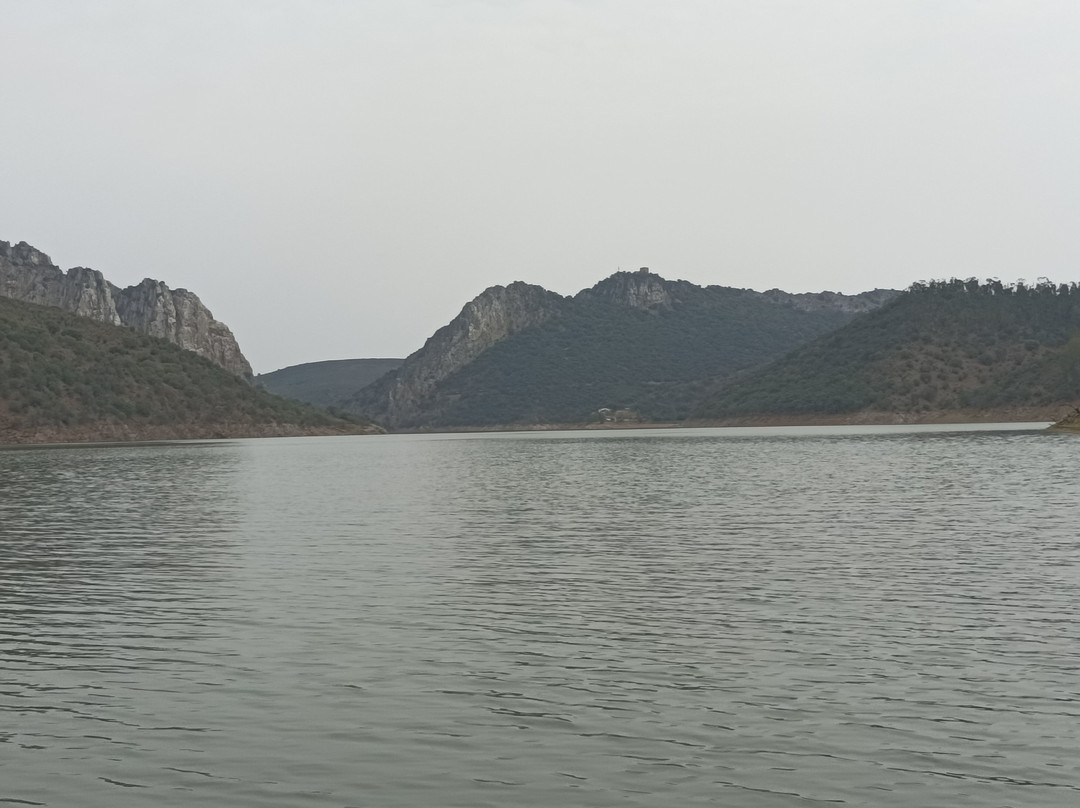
872, 617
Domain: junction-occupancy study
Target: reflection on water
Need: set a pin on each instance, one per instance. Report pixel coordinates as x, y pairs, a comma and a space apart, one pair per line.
751, 617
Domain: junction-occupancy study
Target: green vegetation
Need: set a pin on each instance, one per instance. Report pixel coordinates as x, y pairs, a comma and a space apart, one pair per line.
326, 384
65, 373
943, 345
601, 354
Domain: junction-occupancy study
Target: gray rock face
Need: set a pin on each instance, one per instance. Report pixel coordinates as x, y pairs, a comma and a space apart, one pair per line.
151, 307
637, 290
180, 317
493, 315
29, 275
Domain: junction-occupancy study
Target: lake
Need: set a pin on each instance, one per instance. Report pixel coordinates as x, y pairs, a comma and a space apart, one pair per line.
747, 617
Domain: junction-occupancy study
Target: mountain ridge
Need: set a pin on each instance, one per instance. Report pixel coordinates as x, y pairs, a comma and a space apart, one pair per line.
522, 354
943, 346
491, 316
151, 307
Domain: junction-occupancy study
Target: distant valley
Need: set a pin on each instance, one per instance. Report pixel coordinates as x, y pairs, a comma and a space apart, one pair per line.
329, 383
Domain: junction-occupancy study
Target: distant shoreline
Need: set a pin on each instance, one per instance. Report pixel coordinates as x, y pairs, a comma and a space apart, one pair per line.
130, 434
122, 434
867, 418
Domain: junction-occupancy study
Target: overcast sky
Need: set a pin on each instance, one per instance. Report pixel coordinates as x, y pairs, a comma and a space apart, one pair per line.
336, 178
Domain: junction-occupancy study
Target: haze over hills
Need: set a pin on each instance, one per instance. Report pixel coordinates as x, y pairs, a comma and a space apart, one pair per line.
520, 354
947, 347
177, 315
65, 377
327, 383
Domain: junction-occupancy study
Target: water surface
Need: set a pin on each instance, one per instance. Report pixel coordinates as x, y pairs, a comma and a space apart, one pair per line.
753, 617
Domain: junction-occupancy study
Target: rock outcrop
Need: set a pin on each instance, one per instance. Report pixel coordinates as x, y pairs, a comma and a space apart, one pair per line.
29, 275
637, 290
151, 307
1070, 423
520, 353
180, 317
496, 313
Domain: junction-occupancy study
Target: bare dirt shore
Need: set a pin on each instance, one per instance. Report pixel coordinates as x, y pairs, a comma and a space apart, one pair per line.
878, 418
865, 418
122, 433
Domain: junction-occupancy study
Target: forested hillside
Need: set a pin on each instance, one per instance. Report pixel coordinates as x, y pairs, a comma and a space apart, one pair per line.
598, 355
65, 377
634, 341
942, 346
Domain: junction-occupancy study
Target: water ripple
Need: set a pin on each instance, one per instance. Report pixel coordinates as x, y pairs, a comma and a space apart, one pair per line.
761, 618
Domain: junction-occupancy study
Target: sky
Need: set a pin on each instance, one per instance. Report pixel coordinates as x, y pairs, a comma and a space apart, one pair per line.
337, 178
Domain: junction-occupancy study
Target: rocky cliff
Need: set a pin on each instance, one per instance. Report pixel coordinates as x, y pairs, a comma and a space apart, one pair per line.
180, 317
151, 307
493, 315
29, 275
637, 290
521, 354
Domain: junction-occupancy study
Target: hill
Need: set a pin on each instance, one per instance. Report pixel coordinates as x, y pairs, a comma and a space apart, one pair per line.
943, 347
151, 307
523, 355
326, 384
69, 378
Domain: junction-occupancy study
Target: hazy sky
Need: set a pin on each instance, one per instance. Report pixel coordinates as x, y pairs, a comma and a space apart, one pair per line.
336, 178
